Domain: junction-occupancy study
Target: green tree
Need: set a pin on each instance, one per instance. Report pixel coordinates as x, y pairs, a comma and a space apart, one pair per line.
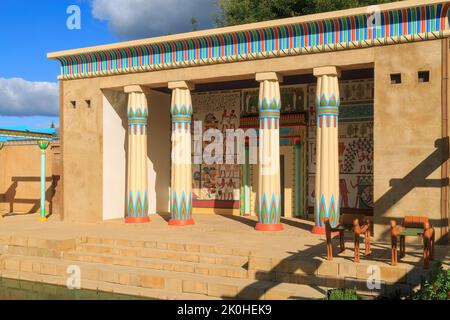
232, 12
194, 24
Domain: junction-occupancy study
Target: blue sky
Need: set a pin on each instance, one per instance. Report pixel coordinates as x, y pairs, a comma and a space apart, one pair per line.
31, 29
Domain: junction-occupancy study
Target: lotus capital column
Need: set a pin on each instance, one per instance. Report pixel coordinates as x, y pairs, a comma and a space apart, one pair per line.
269, 191
327, 102
181, 173
137, 174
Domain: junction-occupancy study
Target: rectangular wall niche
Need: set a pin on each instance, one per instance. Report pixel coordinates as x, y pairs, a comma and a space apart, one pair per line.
396, 78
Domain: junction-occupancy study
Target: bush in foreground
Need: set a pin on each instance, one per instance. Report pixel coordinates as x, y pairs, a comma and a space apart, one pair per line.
438, 288
342, 294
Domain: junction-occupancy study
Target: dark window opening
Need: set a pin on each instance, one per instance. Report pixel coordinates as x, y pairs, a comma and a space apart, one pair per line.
73, 104
88, 103
424, 76
396, 78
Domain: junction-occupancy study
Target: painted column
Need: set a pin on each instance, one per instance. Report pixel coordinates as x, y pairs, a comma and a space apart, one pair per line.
137, 175
181, 173
245, 183
43, 145
327, 155
269, 192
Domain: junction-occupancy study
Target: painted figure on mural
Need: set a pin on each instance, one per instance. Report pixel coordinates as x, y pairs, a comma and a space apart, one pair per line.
211, 122
342, 148
344, 192
224, 122
364, 161
229, 189
233, 120
222, 189
223, 170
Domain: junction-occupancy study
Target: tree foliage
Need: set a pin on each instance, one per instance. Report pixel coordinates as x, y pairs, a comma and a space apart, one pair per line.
232, 12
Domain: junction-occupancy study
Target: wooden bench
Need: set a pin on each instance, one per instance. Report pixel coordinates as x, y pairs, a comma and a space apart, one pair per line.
412, 227
350, 223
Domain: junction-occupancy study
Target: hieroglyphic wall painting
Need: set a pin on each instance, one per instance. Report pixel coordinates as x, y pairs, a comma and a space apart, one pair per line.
293, 100
355, 144
221, 111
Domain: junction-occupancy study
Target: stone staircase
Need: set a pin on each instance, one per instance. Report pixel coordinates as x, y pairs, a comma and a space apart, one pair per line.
154, 269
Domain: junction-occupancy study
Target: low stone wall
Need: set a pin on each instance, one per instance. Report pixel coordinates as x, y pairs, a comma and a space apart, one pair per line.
20, 179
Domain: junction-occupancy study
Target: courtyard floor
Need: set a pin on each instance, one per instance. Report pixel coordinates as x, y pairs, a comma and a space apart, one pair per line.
216, 230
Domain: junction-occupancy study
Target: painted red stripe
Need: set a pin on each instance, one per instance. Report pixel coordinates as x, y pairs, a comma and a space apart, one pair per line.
405, 21
387, 24
291, 36
321, 31
444, 15
423, 14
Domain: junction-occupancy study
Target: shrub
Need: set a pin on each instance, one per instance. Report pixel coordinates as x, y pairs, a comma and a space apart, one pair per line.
438, 288
342, 294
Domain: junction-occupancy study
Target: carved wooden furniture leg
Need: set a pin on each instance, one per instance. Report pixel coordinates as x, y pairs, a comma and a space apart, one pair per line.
394, 240
357, 234
367, 238
402, 246
432, 245
342, 240
426, 252
427, 244
328, 236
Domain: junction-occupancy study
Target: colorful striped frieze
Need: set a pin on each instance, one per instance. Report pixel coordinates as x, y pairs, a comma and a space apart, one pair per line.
181, 167
137, 171
416, 23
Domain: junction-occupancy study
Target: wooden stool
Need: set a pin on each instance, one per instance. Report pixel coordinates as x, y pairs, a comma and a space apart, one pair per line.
412, 227
351, 223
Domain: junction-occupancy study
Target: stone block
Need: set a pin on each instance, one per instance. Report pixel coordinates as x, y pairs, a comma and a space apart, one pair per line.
347, 270
328, 269
150, 281
176, 246
12, 264
26, 266
222, 290
194, 286
192, 247
393, 275
259, 263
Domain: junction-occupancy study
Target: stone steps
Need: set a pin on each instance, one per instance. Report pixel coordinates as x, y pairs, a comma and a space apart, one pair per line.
157, 244
164, 254
129, 280
190, 265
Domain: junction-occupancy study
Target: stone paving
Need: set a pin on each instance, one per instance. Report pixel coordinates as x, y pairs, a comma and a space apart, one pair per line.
277, 264
223, 230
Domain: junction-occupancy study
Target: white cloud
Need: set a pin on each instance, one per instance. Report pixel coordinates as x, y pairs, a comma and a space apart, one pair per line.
133, 19
19, 97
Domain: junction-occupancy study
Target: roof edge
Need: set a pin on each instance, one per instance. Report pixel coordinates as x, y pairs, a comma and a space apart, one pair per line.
243, 27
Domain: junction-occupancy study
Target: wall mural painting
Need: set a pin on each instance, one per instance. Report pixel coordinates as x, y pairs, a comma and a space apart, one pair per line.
355, 144
293, 100
218, 110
